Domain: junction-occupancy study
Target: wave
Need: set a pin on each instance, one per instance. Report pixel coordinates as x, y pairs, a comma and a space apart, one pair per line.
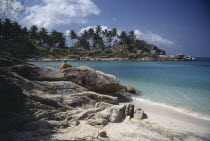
177, 109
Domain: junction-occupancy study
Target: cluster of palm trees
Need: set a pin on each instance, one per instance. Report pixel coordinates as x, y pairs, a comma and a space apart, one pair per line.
97, 38
10, 30
94, 38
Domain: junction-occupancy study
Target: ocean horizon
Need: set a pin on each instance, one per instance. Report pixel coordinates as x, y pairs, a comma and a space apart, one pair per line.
183, 86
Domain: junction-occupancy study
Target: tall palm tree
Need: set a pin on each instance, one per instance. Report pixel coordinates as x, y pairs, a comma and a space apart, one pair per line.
83, 40
132, 37
98, 29
42, 36
73, 36
25, 33
123, 38
33, 33
91, 34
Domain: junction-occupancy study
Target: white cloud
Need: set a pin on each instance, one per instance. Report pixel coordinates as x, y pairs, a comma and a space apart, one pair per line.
53, 12
10, 9
103, 27
67, 32
152, 38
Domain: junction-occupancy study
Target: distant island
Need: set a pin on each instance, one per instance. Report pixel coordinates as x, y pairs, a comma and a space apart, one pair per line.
93, 44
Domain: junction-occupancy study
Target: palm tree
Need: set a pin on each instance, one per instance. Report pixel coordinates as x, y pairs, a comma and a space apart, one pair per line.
83, 40
98, 29
132, 37
91, 34
105, 35
114, 32
123, 38
33, 33
25, 33
73, 36
42, 36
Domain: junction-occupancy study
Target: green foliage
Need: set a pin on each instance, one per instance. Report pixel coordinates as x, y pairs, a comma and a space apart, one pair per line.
93, 42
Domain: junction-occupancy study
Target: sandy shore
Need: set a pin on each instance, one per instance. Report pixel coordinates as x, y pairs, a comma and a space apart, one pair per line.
162, 124
172, 119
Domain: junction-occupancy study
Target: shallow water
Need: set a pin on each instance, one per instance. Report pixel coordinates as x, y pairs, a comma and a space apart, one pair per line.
183, 85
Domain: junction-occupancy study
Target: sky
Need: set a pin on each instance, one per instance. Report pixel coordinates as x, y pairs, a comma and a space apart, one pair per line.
178, 26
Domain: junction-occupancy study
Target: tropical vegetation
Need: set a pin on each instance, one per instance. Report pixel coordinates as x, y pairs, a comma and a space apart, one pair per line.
91, 41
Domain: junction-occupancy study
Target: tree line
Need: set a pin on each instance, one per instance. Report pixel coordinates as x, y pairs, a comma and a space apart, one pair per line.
91, 39
10, 30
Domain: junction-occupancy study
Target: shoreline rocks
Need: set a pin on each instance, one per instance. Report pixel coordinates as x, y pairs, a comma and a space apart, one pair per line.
133, 57
45, 97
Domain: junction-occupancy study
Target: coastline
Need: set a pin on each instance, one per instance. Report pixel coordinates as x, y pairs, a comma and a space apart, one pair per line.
162, 124
178, 57
171, 119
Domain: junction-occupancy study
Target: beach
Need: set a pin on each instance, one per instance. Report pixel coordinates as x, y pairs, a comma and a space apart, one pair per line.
162, 124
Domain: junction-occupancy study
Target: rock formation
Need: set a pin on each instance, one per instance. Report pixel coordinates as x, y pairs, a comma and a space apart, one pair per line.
41, 98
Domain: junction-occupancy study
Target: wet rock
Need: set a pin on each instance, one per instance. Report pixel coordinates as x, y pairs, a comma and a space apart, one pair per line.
130, 89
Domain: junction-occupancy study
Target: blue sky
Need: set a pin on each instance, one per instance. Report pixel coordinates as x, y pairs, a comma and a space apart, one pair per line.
178, 26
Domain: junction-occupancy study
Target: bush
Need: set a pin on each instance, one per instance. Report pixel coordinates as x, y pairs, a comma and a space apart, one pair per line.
18, 48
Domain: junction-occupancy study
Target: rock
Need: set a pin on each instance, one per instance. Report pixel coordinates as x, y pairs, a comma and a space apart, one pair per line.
117, 114
130, 89
99, 97
102, 134
75, 123
85, 114
127, 110
54, 123
99, 121
78, 101
62, 87
102, 105
9, 61
139, 114
36, 125
93, 80
131, 111
113, 114
178, 56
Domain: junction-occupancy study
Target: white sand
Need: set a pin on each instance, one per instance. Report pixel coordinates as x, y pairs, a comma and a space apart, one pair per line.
162, 124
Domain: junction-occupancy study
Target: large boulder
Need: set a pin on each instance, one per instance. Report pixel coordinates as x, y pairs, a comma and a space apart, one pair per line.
93, 80
84, 76
115, 113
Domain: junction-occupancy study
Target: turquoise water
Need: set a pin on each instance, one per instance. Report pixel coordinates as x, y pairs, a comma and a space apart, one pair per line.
183, 85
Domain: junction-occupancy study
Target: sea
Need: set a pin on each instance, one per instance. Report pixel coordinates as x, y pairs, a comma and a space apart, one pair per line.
183, 86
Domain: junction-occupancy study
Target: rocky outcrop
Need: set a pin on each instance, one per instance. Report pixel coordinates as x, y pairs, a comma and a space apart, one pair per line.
130, 89
41, 97
154, 55
112, 114
93, 80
